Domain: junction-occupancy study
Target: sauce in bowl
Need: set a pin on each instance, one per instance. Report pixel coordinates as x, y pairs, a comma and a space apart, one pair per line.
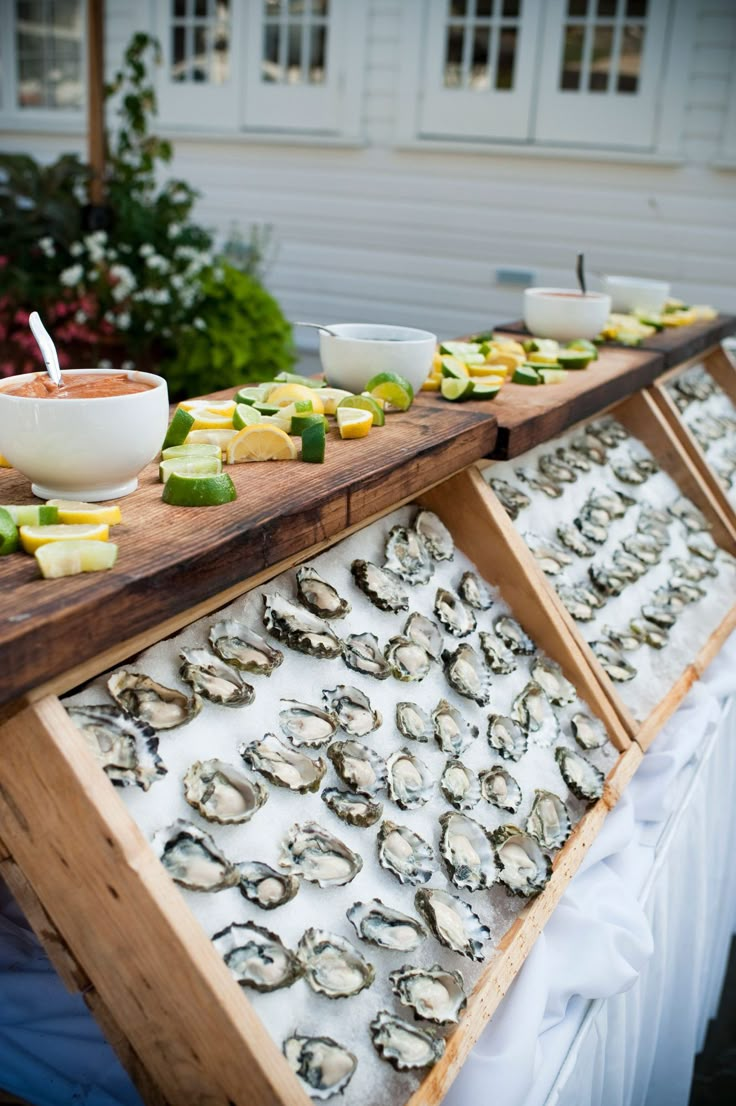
94, 386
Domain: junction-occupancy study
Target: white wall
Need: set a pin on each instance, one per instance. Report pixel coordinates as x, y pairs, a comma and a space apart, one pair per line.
380, 232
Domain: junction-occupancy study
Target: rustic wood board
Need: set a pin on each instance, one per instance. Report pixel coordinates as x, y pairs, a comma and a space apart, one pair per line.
529, 415
172, 558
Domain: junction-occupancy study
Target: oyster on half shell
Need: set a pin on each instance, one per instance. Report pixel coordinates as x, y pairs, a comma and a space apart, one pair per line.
126, 747
405, 853
497, 656
452, 732
385, 927
407, 555
588, 732
556, 687
435, 535
243, 648
356, 810
524, 869
383, 587
512, 635
192, 858
423, 631
475, 592
582, 777
467, 674
159, 706
263, 885
221, 793
299, 629
408, 660
413, 722
358, 766
459, 784
455, 615
452, 921
506, 737
332, 965
512, 499
306, 724
434, 994
315, 854
353, 710
404, 1045
282, 764
213, 679
321, 1065
500, 788
257, 957
548, 820
362, 653
318, 596
467, 852
410, 783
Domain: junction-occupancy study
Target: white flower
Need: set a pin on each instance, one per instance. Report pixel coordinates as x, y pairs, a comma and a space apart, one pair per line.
146, 250
72, 275
174, 230
177, 282
158, 263
123, 321
76, 248
80, 317
95, 244
200, 324
148, 325
109, 318
47, 247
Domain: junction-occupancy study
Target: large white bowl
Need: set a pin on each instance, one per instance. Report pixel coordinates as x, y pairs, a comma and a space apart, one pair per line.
636, 293
364, 349
88, 449
564, 313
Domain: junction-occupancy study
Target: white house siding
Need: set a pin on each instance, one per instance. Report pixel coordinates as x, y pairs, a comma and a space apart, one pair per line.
382, 232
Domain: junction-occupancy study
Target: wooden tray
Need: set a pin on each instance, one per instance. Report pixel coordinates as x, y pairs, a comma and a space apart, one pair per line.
721, 368
117, 927
640, 415
173, 559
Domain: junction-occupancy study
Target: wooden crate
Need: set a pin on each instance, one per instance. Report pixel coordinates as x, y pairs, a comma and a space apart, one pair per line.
642, 418
720, 367
117, 927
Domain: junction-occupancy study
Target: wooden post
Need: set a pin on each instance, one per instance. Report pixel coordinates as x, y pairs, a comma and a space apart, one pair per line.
96, 98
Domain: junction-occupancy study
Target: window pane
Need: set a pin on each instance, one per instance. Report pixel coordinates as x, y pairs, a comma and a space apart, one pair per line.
180, 9
606, 8
296, 7
511, 9
200, 60
636, 9
480, 77
317, 55
458, 9
49, 51
65, 14
200, 9
506, 59
454, 56
294, 53
321, 8
572, 58
178, 54
30, 81
483, 8
632, 44
577, 9
600, 65
270, 68
272, 7
30, 11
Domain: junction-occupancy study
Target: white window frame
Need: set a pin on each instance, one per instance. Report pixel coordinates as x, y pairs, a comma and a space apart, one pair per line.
12, 116
666, 144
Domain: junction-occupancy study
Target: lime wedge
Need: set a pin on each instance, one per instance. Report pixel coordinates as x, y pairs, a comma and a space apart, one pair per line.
313, 442
69, 558
179, 427
8, 533
191, 449
365, 403
295, 378
552, 376
392, 388
255, 394
32, 537
525, 374
299, 423
584, 344
32, 515
457, 390
202, 465
574, 358
453, 368
184, 489
72, 511
458, 349
267, 408
485, 391
245, 415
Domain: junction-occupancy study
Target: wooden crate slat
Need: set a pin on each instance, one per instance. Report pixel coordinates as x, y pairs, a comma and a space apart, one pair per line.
147, 957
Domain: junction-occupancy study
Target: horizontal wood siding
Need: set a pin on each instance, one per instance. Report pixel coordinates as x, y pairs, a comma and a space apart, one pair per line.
381, 232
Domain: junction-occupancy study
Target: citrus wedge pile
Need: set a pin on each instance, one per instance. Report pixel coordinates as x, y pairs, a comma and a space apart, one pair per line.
473, 370
65, 536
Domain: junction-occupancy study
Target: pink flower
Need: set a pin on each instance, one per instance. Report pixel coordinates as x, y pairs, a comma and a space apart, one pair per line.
3, 261
21, 317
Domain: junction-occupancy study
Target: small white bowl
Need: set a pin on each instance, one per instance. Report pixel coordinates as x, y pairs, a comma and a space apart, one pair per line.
364, 349
89, 449
564, 313
636, 293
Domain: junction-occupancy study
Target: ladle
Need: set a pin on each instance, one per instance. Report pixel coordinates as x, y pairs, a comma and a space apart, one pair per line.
47, 347
318, 326
580, 270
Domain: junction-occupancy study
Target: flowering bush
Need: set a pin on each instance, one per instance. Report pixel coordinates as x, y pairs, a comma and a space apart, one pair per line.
149, 288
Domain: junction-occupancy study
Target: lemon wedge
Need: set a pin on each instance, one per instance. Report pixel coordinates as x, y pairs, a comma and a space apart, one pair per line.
285, 394
261, 443
213, 437
353, 423
69, 558
216, 407
31, 537
74, 512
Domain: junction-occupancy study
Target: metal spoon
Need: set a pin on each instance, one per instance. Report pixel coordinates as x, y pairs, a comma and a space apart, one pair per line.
47, 347
318, 326
580, 270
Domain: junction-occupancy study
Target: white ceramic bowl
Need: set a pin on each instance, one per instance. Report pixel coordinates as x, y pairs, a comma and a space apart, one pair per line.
364, 349
564, 313
636, 293
89, 449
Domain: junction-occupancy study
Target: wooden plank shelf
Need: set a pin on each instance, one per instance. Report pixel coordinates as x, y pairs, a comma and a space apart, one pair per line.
173, 559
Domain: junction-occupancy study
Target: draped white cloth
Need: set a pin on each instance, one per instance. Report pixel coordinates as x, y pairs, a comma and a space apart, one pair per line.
613, 1001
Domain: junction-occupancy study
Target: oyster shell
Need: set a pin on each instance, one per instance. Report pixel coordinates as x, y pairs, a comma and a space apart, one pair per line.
385, 927
467, 674
661, 616
511, 499
356, 810
506, 737
436, 536
407, 555
628, 472
306, 724
467, 852
410, 783
243, 648
321, 1065
575, 602
539, 483
498, 658
524, 868
499, 787
613, 661
221, 793
282, 764
692, 571
554, 468
548, 820
452, 921
211, 678
645, 547
256, 957
531, 709
361, 768
362, 653
159, 706
459, 784
453, 613
318, 596
573, 459
192, 858
407, 660
434, 994
263, 885
299, 629
608, 580
512, 635
475, 592
702, 545
332, 965
126, 747
582, 777
591, 528
630, 566
413, 722
452, 732
353, 710
424, 632
614, 503
572, 539
550, 556
588, 732
404, 853
553, 683
648, 633
404, 1045
383, 587
590, 447
319, 857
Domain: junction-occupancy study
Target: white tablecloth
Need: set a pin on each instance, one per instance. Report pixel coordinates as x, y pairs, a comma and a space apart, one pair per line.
614, 998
